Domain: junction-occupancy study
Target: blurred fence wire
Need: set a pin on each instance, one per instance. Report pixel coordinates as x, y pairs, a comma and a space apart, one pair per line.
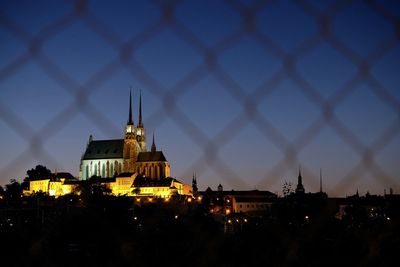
210, 64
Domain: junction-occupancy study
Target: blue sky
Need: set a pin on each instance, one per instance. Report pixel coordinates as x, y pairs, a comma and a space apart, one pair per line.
210, 114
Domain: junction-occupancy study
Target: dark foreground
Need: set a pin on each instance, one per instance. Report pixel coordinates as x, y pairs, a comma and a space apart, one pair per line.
114, 232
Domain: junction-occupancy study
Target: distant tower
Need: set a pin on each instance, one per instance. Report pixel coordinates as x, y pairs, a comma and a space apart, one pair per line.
220, 188
300, 187
131, 147
320, 180
140, 131
194, 184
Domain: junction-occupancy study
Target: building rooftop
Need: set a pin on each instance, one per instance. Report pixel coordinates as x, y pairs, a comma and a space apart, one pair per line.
151, 156
142, 181
104, 149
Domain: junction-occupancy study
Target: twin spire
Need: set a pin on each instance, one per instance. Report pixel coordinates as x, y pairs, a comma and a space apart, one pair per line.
153, 146
130, 120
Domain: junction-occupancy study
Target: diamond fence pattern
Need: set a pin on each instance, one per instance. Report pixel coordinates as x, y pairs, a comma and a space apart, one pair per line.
210, 64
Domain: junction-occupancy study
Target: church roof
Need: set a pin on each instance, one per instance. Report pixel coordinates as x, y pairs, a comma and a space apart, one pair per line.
104, 149
253, 199
142, 181
151, 156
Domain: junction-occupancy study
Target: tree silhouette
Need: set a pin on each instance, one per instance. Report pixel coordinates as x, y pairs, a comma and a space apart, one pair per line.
287, 188
39, 172
13, 191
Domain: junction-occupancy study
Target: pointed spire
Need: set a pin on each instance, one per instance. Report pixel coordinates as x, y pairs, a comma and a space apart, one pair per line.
140, 124
153, 146
130, 121
300, 187
320, 180
299, 178
194, 184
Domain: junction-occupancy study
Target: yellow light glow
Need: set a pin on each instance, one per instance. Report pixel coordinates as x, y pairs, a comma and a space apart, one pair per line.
229, 221
189, 199
228, 211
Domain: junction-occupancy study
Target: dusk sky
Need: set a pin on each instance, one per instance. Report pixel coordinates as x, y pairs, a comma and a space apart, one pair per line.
209, 129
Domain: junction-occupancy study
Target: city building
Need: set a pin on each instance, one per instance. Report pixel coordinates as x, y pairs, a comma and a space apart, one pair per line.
57, 184
238, 201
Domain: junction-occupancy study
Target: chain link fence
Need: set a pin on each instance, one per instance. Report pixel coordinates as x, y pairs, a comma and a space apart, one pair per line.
169, 95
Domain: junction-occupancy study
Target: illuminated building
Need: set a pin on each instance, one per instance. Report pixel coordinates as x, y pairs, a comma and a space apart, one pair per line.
58, 184
163, 188
122, 185
231, 202
123, 165
126, 166
108, 158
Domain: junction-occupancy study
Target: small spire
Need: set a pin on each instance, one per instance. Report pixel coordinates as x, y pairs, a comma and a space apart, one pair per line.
320, 180
153, 145
130, 121
140, 124
300, 178
300, 187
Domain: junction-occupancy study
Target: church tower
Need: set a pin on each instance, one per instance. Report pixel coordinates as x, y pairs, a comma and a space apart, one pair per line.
300, 187
131, 147
140, 131
194, 184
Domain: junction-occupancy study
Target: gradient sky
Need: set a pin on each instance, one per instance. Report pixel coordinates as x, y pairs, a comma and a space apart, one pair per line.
31, 95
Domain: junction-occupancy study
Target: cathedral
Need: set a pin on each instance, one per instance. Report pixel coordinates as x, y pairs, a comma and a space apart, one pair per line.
123, 165
110, 158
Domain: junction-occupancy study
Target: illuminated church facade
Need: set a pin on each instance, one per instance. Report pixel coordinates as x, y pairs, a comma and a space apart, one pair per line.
123, 165
110, 158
